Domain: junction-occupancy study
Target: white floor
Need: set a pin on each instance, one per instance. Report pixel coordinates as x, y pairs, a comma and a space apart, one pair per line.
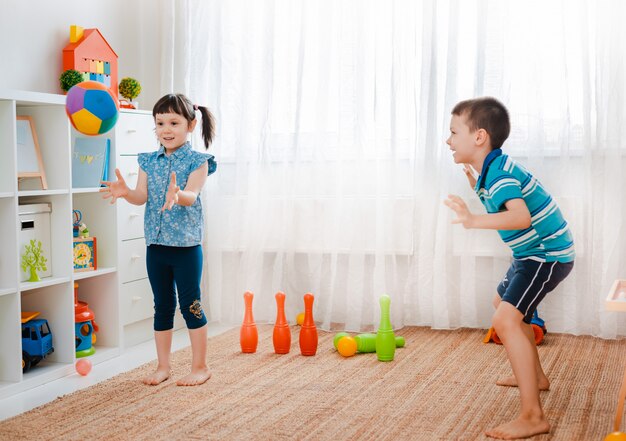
130, 359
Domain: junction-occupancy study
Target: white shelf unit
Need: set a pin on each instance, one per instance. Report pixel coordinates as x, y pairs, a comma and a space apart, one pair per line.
53, 296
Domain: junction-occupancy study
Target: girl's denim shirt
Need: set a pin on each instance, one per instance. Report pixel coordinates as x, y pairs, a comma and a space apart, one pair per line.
181, 226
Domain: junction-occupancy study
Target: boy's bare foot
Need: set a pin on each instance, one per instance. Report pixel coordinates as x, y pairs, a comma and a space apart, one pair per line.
511, 381
195, 377
520, 428
158, 376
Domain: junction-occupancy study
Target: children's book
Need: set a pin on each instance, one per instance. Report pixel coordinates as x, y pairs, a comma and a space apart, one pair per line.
90, 161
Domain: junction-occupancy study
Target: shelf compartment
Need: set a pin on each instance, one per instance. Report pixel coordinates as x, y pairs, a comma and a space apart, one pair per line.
100, 217
101, 295
55, 303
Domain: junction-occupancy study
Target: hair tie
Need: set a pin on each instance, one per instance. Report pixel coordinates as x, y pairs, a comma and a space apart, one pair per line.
195, 107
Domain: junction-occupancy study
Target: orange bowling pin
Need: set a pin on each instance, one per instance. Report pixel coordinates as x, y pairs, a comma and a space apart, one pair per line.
282, 333
249, 335
308, 331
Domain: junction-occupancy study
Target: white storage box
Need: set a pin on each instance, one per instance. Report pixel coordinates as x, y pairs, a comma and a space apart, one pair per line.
35, 224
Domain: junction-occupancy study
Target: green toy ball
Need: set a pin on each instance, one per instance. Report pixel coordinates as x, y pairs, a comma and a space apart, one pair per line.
338, 337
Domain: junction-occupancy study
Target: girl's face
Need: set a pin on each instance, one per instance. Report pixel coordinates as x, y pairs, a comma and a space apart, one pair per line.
172, 129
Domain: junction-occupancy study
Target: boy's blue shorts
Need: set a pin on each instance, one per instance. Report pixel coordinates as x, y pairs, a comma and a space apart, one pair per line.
527, 282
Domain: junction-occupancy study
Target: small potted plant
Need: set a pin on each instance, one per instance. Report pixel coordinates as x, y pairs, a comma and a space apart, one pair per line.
70, 78
130, 89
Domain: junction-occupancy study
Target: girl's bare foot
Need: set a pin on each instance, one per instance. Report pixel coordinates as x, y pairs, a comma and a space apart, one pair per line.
544, 383
158, 376
195, 377
520, 428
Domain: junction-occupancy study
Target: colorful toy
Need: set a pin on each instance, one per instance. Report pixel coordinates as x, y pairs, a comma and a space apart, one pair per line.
282, 334
385, 338
338, 336
248, 335
89, 53
78, 217
300, 319
366, 343
347, 346
308, 332
538, 326
85, 254
85, 327
91, 108
83, 366
33, 260
36, 340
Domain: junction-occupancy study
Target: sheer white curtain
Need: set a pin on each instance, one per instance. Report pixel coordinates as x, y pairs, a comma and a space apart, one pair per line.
332, 117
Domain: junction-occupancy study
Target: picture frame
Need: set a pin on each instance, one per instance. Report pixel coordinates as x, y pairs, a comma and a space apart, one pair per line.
29, 160
85, 254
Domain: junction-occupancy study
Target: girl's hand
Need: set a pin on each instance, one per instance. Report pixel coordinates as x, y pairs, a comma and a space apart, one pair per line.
463, 215
116, 189
171, 197
469, 173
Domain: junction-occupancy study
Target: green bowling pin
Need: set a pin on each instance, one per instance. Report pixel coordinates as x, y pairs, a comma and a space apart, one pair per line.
366, 343
385, 339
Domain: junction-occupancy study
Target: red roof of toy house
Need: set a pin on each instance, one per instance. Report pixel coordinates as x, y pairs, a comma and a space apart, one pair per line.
92, 46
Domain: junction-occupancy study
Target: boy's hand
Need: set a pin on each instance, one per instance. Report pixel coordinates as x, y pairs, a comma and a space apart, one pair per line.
171, 197
463, 215
114, 190
469, 173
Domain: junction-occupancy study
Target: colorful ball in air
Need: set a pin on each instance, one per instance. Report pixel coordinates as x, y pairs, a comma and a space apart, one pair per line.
300, 318
91, 108
83, 366
347, 346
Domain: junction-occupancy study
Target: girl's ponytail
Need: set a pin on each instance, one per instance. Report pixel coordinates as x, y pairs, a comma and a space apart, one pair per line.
208, 125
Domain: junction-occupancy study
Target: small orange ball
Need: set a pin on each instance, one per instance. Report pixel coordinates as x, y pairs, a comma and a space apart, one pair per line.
616, 436
83, 366
347, 346
300, 318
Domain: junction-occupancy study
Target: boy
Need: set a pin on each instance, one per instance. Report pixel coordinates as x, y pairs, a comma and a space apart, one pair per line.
529, 222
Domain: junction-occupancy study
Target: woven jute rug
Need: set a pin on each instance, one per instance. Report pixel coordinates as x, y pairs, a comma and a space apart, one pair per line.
439, 387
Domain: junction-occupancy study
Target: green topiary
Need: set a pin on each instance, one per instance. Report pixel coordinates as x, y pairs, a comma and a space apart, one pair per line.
70, 78
129, 88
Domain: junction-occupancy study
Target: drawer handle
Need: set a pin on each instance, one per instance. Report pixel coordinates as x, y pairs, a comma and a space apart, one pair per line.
133, 173
131, 215
132, 130
135, 257
135, 298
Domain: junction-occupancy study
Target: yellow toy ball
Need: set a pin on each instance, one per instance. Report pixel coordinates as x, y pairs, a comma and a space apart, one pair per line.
616, 436
300, 318
346, 346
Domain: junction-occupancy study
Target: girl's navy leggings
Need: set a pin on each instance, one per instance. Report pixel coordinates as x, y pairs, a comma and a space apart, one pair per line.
173, 270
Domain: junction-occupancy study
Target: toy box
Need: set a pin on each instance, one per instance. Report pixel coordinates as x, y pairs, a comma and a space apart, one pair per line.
34, 223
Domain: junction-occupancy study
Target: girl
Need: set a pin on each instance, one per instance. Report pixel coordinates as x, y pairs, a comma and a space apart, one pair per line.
173, 226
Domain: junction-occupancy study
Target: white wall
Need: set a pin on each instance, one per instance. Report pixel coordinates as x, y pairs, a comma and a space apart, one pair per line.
33, 34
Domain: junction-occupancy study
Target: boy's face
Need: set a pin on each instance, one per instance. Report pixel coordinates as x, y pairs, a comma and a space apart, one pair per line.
462, 141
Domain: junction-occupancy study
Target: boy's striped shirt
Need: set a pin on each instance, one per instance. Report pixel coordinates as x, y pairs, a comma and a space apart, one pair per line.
549, 238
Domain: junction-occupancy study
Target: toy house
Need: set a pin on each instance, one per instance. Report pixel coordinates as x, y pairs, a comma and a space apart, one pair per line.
89, 53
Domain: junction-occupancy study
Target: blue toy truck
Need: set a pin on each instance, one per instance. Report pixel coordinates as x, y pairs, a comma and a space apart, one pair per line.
36, 342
